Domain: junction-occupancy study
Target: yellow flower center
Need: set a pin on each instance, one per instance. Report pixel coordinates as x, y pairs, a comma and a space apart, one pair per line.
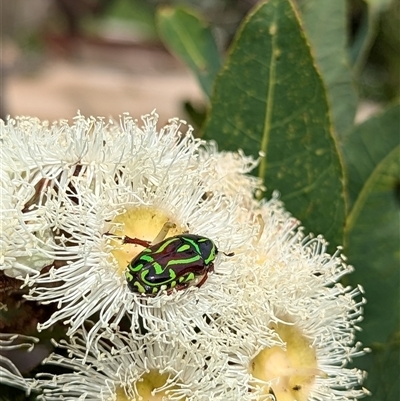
120, 395
145, 224
152, 386
291, 371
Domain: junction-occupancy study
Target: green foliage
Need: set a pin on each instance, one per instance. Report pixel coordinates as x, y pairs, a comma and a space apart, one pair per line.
190, 38
367, 145
380, 79
374, 248
325, 24
372, 154
286, 89
133, 10
379, 4
367, 32
383, 367
270, 97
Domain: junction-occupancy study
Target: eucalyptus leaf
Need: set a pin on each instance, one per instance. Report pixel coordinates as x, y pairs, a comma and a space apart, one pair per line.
372, 157
366, 34
187, 35
372, 242
383, 367
269, 97
380, 5
367, 144
325, 23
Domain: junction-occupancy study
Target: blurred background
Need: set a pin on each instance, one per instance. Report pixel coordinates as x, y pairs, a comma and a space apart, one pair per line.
104, 57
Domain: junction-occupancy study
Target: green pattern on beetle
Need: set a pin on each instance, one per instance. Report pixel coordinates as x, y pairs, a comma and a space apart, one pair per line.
178, 262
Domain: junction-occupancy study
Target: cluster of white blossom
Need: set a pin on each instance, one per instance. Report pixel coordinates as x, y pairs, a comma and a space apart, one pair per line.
261, 318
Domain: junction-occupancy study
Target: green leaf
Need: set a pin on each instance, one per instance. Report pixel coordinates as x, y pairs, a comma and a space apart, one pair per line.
189, 38
367, 144
380, 5
197, 114
383, 367
366, 34
372, 242
372, 156
270, 97
137, 12
325, 23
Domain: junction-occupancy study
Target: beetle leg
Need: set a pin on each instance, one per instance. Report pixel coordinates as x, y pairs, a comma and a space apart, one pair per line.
183, 286
136, 241
160, 236
129, 240
203, 280
209, 269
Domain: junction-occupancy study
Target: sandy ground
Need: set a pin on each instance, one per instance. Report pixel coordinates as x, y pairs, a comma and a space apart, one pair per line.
100, 80
104, 79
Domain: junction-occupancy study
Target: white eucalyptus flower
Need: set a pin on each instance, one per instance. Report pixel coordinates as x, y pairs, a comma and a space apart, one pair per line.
104, 183
126, 369
231, 173
9, 373
23, 232
271, 321
289, 293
